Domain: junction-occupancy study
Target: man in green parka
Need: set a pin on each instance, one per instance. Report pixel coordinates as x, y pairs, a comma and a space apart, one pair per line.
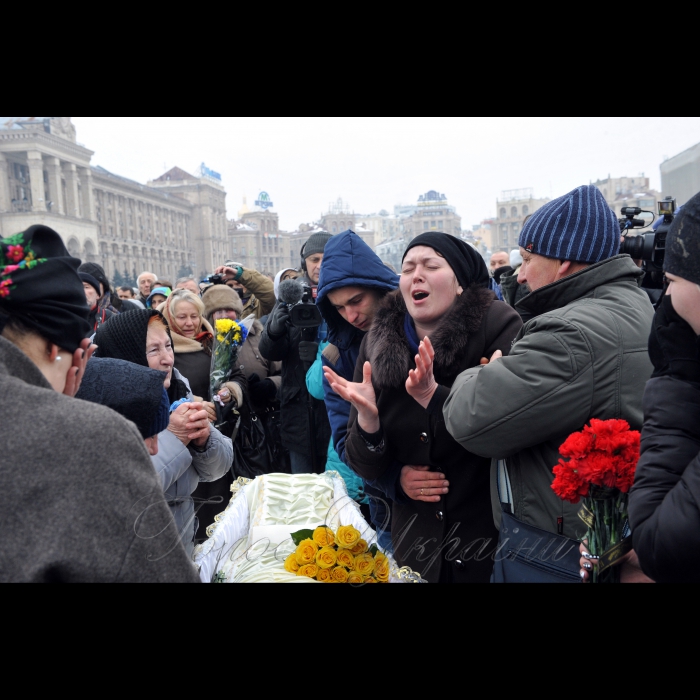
584, 355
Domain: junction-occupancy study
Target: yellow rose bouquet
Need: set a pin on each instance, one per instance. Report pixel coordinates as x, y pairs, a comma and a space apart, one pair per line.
337, 557
230, 336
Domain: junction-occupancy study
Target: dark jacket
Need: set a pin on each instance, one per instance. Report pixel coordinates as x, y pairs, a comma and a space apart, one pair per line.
665, 500
436, 541
79, 498
584, 356
514, 292
294, 396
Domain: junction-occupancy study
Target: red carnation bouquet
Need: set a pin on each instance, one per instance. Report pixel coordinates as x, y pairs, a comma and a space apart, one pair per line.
599, 466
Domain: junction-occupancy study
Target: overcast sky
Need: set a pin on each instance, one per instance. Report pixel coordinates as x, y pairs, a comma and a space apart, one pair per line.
374, 163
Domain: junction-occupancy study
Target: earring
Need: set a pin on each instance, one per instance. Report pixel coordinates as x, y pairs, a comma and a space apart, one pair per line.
58, 358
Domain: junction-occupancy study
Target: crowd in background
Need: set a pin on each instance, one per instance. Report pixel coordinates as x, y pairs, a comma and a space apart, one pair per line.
441, 393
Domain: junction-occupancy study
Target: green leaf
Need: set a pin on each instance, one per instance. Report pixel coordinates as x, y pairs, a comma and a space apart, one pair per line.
374, 550
299, 537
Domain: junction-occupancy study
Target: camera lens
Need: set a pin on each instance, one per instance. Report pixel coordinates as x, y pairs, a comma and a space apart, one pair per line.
634, 247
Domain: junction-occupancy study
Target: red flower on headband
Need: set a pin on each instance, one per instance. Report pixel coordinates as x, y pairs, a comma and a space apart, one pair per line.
9, 270
4, 288
15, 253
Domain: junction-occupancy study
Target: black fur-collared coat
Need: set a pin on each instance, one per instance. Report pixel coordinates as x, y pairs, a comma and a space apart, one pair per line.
449, 542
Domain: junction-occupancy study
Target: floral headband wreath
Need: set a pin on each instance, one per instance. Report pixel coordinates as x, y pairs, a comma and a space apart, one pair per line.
15, 255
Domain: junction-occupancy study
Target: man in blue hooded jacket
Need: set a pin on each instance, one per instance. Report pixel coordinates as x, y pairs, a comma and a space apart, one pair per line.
352, 284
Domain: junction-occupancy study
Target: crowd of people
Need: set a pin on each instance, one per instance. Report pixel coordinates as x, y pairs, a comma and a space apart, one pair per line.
441, 394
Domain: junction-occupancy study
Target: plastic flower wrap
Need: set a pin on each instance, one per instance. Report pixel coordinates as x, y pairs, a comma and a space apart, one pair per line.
229, 339
599, 467
343, 557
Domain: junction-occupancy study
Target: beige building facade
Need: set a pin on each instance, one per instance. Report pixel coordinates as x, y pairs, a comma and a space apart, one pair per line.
432, 213
513, 207
623, 192
46, 177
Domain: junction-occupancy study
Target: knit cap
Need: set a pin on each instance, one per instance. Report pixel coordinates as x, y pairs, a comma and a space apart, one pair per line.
316, 244
683, 243
89, 279
579, 227
123, 337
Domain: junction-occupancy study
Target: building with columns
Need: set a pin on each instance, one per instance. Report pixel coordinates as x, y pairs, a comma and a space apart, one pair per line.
513, 207
175, 222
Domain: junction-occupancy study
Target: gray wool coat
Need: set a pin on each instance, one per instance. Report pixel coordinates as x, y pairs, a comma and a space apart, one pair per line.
79, 499
181, 469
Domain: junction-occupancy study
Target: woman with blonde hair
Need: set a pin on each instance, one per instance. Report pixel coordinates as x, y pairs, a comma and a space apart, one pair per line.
193, 339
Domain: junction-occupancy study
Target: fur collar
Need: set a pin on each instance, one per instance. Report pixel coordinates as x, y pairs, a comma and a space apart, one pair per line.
390, 354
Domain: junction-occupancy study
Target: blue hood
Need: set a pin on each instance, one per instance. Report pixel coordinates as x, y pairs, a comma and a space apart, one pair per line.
349, 262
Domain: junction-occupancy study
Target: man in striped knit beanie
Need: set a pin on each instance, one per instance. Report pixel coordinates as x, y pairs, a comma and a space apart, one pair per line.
582, 356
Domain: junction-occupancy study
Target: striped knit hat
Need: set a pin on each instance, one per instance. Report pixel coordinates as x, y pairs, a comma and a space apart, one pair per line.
579, 227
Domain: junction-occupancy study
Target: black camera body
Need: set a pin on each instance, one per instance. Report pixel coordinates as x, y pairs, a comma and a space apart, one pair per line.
649, 247
216, 279
305, 314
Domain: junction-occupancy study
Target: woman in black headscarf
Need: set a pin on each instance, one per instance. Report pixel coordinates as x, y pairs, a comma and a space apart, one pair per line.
78, 495
191, 451
441, 322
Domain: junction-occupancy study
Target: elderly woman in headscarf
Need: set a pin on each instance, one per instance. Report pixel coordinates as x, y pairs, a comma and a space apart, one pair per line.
80, 501
193, 339
191, 450
442, 321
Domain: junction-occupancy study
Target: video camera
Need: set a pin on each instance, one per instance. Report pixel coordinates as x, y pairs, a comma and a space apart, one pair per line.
649, 247
299, 299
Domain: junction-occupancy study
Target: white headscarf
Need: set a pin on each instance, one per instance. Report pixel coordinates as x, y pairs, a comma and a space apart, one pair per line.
278, 279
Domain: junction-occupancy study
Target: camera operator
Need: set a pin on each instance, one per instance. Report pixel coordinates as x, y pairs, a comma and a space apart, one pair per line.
257, 292
305, 428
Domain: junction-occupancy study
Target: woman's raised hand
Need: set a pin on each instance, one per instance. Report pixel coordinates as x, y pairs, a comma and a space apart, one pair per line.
80, 359
421, 384
361, 396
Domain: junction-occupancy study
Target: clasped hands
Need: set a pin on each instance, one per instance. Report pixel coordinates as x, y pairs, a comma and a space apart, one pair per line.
190, 424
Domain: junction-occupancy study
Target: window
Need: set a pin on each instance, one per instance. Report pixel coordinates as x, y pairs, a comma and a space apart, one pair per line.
441, 225
526, 210
504, 213
426, 226
514, 213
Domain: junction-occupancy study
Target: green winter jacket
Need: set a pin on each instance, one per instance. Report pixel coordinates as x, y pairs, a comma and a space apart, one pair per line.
583, 356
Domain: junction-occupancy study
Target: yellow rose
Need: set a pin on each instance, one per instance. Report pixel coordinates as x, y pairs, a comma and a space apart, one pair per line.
324, 537
371, 580
364, 565
355, 578
381, 568
309, 571
291, 565
339, 575
306, 553
326, 558
324, 576
346, 559
348, 537
360, 548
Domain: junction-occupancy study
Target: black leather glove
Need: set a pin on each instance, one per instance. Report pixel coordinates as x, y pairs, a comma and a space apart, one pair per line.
673, 345
261, 390
308, 352
279, 321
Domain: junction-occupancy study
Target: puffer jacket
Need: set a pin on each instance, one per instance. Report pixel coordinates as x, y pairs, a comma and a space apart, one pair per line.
349, 262
583, 356
665, 500
181, 469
